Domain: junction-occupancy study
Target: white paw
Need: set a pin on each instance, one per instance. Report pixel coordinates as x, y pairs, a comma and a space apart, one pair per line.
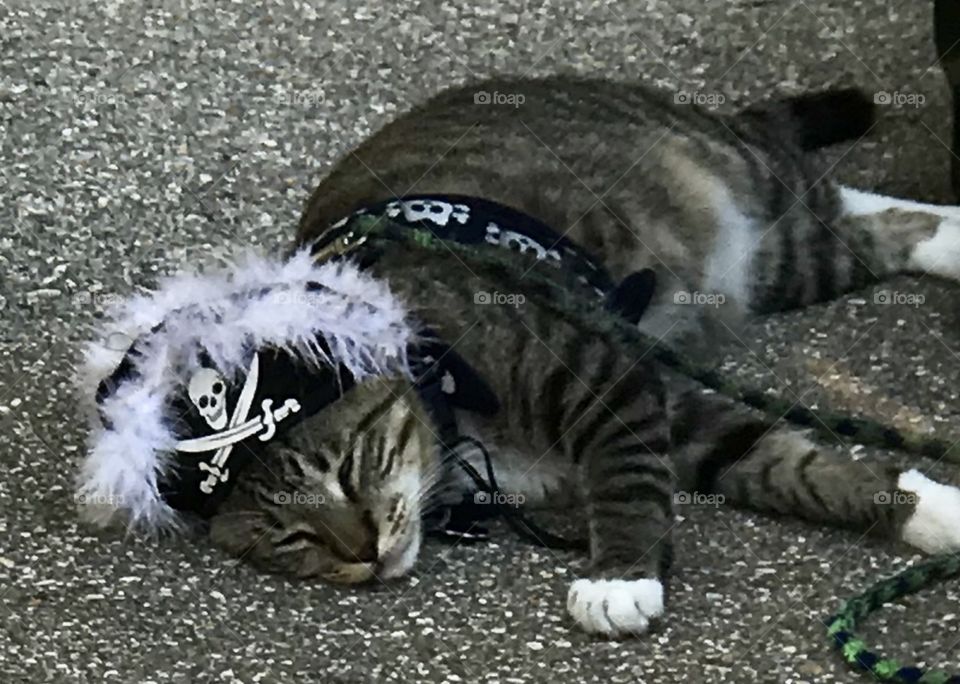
615, 607
940, 255
934, 526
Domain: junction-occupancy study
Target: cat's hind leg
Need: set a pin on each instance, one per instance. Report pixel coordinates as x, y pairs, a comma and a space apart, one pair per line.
723, 450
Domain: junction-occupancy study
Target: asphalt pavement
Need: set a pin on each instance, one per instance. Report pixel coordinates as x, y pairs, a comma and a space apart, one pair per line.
138, 137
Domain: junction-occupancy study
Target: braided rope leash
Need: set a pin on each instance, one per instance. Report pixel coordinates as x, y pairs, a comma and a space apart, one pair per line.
854, 650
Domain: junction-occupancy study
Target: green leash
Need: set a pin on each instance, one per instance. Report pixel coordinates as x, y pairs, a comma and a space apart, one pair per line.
840, 627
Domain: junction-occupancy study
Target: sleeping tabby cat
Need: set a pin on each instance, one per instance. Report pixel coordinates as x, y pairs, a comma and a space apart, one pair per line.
729, 206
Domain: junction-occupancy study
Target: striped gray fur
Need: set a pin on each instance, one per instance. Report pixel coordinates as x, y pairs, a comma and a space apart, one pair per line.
582, 426
642, 182
726, 205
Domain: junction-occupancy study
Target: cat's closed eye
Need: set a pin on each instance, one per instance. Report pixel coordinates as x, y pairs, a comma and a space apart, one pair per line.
340, 497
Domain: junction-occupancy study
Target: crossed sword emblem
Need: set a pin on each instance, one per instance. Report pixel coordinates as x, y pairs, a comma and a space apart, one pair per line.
238, 429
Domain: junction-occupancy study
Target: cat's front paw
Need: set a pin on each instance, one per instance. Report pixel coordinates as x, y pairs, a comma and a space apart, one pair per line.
615, 608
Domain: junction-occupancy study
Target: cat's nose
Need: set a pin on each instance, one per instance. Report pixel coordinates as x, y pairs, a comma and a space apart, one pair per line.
356, 544
366, 550
353, 538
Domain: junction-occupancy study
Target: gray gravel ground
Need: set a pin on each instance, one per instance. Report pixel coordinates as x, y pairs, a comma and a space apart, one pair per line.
134, 138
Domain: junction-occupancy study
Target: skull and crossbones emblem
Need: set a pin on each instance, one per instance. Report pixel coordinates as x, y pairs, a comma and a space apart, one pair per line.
207, 390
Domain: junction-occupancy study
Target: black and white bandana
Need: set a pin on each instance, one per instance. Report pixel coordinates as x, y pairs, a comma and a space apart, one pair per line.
223, 420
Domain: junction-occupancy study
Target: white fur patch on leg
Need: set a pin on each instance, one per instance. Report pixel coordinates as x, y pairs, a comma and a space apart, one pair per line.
860, 203
940, 255
615, 608
934, 526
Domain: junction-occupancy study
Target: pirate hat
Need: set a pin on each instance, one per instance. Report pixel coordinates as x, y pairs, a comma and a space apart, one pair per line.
189, 382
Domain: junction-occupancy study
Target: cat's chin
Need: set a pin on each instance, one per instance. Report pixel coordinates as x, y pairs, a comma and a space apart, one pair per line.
400, 557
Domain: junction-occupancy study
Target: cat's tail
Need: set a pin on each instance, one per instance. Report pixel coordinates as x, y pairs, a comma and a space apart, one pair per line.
822, 118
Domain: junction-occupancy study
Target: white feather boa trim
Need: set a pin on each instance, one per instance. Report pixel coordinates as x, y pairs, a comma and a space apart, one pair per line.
256, 299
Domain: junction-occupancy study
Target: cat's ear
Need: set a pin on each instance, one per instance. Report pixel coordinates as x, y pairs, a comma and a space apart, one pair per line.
632, 296
461, 385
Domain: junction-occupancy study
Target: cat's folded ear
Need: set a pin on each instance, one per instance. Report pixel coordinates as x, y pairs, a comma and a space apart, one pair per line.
461, 385
632, 296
